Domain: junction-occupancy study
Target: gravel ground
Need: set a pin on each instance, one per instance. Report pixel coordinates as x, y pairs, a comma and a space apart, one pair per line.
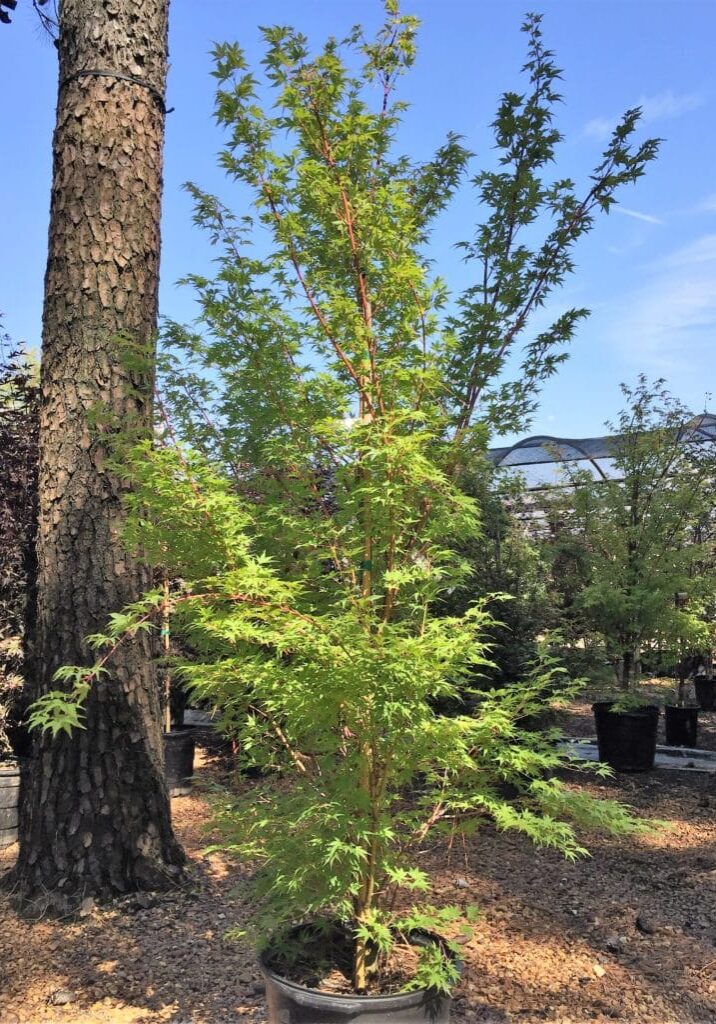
629, 934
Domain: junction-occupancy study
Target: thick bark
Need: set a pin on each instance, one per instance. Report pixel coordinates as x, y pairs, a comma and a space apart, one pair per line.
97, 817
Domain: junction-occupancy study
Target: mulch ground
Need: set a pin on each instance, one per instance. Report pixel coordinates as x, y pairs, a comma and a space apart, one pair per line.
629, 934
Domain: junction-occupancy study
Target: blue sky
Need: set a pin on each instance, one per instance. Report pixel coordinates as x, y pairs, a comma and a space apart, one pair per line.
648, 271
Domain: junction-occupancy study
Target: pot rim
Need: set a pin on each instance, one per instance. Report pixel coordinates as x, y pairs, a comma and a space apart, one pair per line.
343, 1000
643, 711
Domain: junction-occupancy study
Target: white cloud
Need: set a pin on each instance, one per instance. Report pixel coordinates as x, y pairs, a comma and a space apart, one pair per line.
670, 321
666, 105
708, 205
701, 250
648, 218
599, 128
663, 106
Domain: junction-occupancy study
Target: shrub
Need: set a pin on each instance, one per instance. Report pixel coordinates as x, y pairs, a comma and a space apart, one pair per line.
19, 405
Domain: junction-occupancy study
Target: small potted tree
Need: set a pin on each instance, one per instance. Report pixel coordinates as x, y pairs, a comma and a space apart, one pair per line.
640, 530
691, 633
329, 406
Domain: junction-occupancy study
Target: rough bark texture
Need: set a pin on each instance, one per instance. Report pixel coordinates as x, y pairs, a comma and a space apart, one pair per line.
97, 818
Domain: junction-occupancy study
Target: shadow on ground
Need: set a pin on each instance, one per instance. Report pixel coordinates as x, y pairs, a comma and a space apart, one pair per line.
629, 934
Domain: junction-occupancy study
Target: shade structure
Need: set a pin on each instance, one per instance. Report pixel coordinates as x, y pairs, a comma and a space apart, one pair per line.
541, 459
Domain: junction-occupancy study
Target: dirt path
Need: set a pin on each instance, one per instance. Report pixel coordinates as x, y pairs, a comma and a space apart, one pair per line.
629, 934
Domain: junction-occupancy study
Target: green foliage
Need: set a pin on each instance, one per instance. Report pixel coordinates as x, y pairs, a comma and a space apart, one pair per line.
630, 700
19, 421
645, 535
514, 278
567, 571
436, 971
509, 570
305, 485
60, 710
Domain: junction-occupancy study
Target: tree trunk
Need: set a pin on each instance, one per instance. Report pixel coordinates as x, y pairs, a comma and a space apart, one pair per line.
627, 670
97, 820
681, 691
630, 668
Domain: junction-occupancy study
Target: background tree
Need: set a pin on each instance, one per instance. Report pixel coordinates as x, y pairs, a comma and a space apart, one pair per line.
509, 569
19, 407
96, 818
46, 9
644, 533
567, 566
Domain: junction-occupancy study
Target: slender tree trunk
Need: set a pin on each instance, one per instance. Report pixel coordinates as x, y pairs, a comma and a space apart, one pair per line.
681, 692
97, 820
630, 668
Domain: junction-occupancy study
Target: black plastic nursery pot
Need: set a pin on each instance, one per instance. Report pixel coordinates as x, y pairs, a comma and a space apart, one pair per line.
291, 1003
681, 725
10, 785
626, 739
179, 760
705, 692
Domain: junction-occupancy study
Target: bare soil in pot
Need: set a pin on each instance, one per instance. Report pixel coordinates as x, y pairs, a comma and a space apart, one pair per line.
308, 980
322, 958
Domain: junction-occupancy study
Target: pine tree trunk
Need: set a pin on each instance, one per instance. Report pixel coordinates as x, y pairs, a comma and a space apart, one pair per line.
97, 820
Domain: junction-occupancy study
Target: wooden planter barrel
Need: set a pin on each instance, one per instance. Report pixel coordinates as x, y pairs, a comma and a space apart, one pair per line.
10, 778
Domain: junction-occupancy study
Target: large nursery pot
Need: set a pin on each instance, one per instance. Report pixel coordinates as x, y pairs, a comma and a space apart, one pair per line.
626, 739
705, 692
291, 1003
10, 784
681, 725
179, 759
